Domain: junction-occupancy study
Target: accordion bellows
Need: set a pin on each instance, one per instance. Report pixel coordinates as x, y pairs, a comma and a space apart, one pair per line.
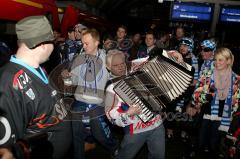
156, 83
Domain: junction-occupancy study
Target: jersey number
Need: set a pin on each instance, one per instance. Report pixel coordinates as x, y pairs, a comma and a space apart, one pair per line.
7, 127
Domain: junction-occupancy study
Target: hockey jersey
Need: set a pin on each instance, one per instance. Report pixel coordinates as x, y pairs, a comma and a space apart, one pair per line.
29, 105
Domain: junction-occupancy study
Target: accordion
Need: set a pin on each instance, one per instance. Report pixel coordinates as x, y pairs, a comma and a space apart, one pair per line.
155, 84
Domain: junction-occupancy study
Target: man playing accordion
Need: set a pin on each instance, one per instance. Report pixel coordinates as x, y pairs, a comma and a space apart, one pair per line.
137, 132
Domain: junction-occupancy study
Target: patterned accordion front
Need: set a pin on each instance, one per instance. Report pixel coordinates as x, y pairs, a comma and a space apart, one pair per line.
155, 84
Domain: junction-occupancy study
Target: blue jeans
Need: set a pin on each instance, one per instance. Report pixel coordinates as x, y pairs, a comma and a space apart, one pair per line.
209, 135
132, 143
97, 127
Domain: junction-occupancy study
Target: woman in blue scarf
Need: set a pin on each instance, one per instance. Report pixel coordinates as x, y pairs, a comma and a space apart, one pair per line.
217, 95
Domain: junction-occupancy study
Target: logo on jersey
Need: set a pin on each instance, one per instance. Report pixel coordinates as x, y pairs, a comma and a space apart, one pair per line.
54, 93
22, 81
30, 94
61, 110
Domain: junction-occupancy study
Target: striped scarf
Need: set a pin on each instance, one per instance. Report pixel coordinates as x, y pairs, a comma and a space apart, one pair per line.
205, 86
228, 105
227, 110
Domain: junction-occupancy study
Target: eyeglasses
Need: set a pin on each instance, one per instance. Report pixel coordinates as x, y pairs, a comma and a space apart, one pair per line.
206, 49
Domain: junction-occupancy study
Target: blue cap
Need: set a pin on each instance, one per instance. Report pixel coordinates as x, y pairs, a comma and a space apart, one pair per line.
187, 41
209, 44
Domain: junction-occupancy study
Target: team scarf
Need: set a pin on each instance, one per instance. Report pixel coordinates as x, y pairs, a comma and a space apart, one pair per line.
229, 105
227, 110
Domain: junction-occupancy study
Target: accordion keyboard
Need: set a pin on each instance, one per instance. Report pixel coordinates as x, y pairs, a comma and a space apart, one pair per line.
124, 91
158, 82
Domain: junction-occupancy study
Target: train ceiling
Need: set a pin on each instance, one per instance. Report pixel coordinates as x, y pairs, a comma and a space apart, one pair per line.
145, 9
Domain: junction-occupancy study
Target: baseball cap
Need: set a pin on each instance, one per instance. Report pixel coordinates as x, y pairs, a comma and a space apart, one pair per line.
187, 41
209, 44
34, 30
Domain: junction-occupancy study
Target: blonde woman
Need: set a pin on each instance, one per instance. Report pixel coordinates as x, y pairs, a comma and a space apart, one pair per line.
217, 95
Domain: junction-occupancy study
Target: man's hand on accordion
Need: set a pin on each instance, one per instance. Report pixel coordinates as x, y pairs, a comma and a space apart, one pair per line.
134, 109
176, 54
